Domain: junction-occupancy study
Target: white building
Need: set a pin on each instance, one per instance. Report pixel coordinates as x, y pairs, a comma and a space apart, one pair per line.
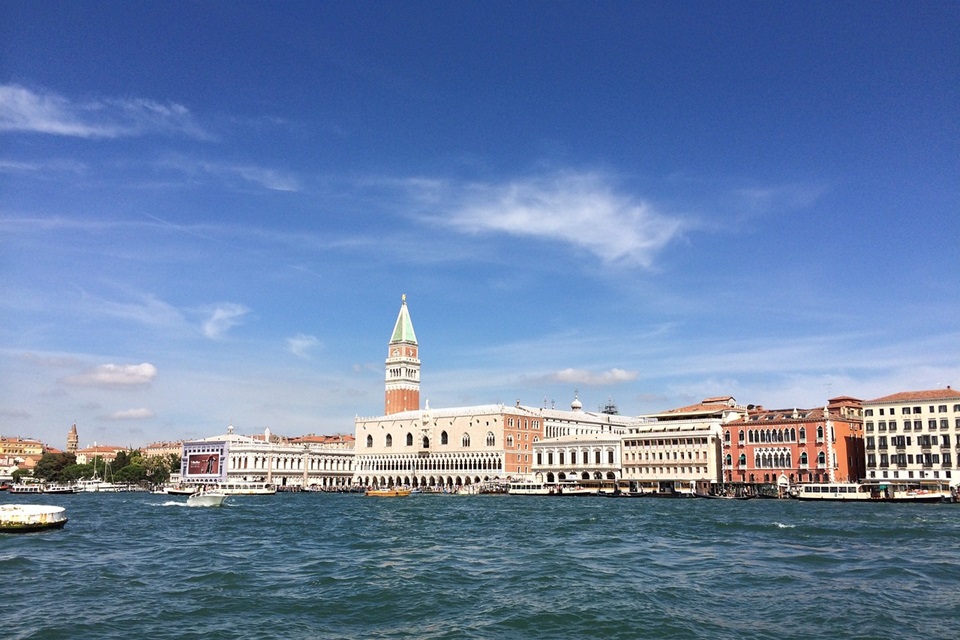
300, 463
913, 437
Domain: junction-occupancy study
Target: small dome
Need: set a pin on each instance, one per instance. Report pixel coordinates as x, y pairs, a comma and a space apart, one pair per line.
576, 405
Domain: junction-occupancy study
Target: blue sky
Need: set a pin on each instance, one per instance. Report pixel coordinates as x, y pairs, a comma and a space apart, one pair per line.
209, 211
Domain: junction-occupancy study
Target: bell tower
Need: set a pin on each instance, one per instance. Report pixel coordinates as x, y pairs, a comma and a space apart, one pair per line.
403, 366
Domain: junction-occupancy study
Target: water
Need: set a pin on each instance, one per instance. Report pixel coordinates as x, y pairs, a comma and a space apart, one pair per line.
346, 566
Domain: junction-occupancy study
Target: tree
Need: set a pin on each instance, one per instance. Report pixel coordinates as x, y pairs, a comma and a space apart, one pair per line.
51, 466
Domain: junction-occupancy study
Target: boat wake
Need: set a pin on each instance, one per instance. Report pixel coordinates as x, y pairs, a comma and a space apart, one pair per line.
780, 525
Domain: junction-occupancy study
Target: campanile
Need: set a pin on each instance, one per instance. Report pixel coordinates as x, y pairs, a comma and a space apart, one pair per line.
403, 366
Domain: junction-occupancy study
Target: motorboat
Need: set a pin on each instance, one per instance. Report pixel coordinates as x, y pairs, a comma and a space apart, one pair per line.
23, 518
388, 493
206, 498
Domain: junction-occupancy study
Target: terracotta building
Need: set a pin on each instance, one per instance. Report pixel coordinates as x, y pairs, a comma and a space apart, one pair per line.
789, 446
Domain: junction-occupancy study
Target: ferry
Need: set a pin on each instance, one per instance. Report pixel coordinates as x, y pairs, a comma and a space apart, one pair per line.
551, 489
856, 492
26, 488
61, 488
244, 488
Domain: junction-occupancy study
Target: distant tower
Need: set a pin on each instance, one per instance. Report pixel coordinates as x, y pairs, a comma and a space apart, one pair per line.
403, 366
73, 440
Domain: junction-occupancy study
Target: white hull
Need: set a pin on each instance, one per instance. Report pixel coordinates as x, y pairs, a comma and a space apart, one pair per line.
206, 499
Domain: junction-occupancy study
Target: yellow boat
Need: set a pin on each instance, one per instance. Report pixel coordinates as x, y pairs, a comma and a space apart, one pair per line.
388, 493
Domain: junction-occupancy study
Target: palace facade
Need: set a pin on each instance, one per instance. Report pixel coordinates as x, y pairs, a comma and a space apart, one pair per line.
789, 446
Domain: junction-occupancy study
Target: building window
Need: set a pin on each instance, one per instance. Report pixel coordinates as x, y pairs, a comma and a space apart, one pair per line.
443, 438
465, 441
509, 441
743, 460
409, 439
369, 442
490, 439
389, 440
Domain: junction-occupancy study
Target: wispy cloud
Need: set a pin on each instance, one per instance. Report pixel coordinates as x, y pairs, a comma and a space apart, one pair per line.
25, 110
114, 375
579, 209
300, 345
131, 414
582, 376
265, 177
223, 318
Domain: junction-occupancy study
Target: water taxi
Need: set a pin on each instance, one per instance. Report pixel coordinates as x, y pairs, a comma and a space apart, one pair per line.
206, 498
856, 492
388, 493
23, 518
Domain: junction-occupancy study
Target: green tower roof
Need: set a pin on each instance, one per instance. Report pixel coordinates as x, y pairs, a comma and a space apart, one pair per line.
403, 330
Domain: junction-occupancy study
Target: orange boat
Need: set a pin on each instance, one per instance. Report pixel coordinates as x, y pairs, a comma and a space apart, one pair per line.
388, 493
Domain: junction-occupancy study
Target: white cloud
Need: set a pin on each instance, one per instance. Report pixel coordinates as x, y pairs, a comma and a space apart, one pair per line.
577, 209
265, 177
582, 376
113, 375
223, 318
28, 111
131, 414
300, 344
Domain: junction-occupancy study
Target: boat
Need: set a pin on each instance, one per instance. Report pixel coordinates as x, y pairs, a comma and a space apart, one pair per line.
857, 492
723, 496
23, 518
529, 489
388, 493
206, 498
96, 485
180, 491
61, 488
26, 488
245, 488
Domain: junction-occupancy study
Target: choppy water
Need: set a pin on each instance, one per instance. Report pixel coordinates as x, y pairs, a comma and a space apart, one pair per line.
131, 566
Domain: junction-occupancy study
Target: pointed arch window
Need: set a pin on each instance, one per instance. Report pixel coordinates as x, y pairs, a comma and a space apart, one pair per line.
803, 458
369, 441
409, 439
465, 441
444, 439
821, 458
729, 461
389, 440
743, 460
490, 439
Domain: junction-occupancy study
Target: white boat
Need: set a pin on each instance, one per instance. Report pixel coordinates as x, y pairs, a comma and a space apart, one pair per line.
95, 484
61, 488
22, 518
529, 489
26, 488
245, 488
205, 498
857, 492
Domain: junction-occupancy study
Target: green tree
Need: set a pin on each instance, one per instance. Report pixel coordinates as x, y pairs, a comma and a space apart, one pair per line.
51, 466
131, 473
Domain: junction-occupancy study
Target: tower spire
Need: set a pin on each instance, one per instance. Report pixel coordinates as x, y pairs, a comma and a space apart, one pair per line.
402, 391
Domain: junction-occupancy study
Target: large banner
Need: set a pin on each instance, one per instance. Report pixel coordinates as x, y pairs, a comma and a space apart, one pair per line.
204, 461
203, 464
